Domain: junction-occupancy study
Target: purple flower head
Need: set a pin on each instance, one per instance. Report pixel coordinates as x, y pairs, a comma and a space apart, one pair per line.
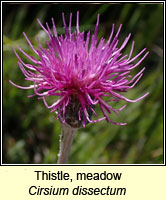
81, 71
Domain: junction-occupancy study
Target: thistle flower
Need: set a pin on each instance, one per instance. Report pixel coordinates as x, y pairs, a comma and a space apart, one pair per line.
81, 71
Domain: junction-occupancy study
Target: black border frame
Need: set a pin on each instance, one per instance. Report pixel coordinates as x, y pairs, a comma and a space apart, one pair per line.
88, 2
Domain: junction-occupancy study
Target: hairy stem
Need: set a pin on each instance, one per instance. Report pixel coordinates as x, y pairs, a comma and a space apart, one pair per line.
66, 139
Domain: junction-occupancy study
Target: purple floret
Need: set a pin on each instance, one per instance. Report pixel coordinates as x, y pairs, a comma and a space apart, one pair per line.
72, 67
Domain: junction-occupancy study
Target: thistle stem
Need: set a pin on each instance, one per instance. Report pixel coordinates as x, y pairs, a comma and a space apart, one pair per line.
66, 139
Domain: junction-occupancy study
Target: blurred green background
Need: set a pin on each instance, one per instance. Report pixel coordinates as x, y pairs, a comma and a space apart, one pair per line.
31, 132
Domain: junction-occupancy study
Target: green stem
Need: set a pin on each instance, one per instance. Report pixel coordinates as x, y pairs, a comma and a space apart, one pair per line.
66, 139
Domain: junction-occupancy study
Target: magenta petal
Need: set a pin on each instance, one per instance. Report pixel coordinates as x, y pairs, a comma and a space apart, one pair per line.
81, 71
